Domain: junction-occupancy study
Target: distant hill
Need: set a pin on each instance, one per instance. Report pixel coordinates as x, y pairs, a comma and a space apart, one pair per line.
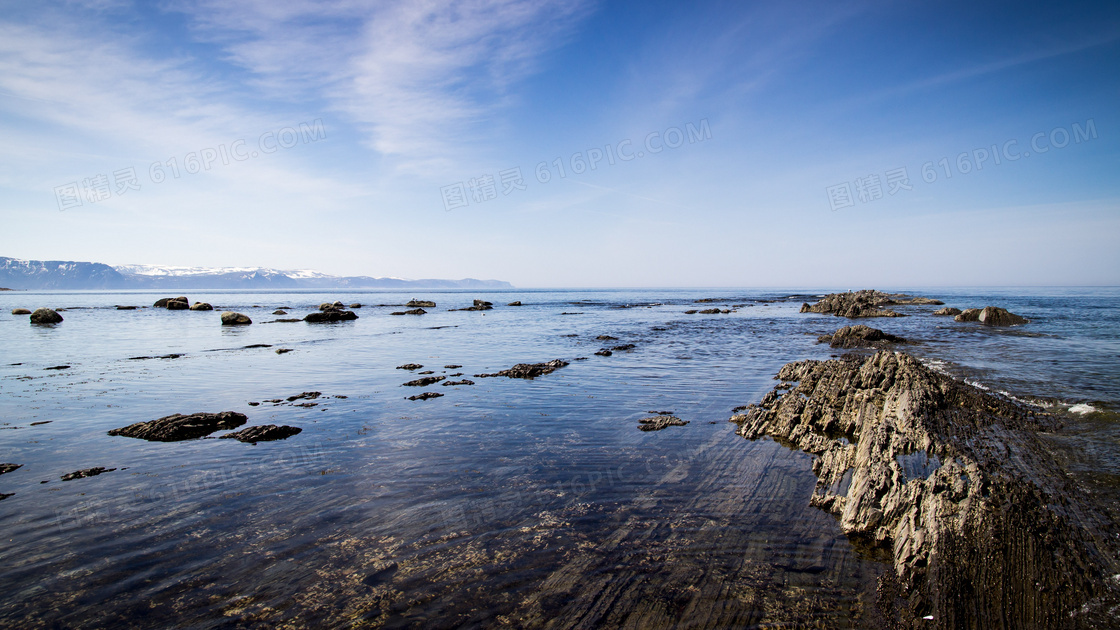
63, 274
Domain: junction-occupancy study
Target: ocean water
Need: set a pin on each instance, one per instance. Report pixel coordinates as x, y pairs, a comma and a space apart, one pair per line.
510, 502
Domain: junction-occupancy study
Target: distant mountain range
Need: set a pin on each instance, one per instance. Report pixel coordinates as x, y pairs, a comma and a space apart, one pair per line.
63, 274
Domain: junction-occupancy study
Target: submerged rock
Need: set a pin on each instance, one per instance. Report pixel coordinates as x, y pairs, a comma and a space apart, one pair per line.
657, 423
425, 381
528, 370
603, 352
514, 303
201, 306
263, 433
20, 311
465, 381
330, 316
410, 366
121, 307
415, 311
178, 427
860, 336
229, 318
954, 484
864, 303
45, 316
7, 468
88, 472
948, 311
425, 396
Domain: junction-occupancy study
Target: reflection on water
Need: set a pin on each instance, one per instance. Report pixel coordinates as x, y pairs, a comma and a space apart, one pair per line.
508, 502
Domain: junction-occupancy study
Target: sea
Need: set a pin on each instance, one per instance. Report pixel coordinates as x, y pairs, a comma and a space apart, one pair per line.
508, 502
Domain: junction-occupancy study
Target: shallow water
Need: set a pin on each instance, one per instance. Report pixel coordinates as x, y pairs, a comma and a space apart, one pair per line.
519, 502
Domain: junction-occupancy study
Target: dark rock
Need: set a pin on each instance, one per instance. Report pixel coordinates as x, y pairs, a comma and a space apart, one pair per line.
7, 468
606, 338
283, 350
279, 312
20, 311
163, 302
923, 301
88, 472
356, 305
528, 370
864, 303
305, 396
427, 372
424, 382
465, 381
710, 311
690, 312
331, 306
482, 303
9, 494
410, 366
176, 305
421, 304
178, 427
284, 321
126, 308
425, 396
860, 336
452, 367
45, 316
625, 346
58, 367
947, 311
603, 352
201, 306
514, 303
263, 433
995, 316
415, 311
40, 423
968, 315
657, 423
330, 316
229, 318
949, 481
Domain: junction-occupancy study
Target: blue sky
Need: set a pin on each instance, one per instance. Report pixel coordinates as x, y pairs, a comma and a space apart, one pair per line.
382, 138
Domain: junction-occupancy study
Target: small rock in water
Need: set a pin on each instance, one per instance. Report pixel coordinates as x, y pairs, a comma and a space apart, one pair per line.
263, 433
58, 367
305, 396
283, 350
279, 312
421, 304
410, 366
45, 316
20, 311
164, 302
603, 352
126, 308
658, 423
860, 336
425, 396
995, 316
465, 381
202, 306
356, 305
514, 303
7, 468
529, 370
424, 382
625, 346
415, 311
330, 316
948, 311
178, 427
427, 372
229, 318
10, 494
88, 472
452, 367
606, 338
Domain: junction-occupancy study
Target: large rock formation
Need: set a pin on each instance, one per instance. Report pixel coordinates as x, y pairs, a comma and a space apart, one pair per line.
177, 427
860, 336
954, 484
864, 303
45, 316
991, 316
229, 318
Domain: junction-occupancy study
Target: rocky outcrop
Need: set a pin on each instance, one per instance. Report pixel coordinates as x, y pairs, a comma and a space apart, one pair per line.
528, 370
479, 305
178, 427
229, 318
968, 315
657, 423
421, 304
860, 336
201, 306
263, 433
995, 316
182, 301
952, 483
948, 311
45, 316
866, 303
87, 472
330, 316
20, 311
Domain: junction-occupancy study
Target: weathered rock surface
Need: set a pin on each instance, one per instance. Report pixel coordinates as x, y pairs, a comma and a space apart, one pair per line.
514, 303
860, 336
856, 304
995, 316
45, 316
7, 468
20, 311
178, 427
263, 433
657, 423
88, 472
415, 311
410, 366
279, 312
421, 304
948, 311
163, 302
425, 396
331, 306
201, 306
229, 318
528, 370
968, 315
176, 305
425, 381
330, 316
465, 381
954, 484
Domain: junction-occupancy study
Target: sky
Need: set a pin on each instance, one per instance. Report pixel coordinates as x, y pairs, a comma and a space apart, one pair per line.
569, 143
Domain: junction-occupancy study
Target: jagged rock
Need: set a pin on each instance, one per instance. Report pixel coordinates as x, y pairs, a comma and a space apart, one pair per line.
178, 427
657, 423
528, 370
710, 311
451, 366
953, 483
88, 472
415, 311
968, 315
947, 311
20, 311
514, 303
860, 336
421, 304
163, 302
229, 318
606, 338
410, 366
201, 306
425, 396
482, 303
864, 303
465, 381
424, 382
330, 316
305, 396
995, 316
263, 433
7, 468
45, 316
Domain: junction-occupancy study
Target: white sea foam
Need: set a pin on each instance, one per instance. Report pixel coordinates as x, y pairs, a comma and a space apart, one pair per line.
1082, 408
